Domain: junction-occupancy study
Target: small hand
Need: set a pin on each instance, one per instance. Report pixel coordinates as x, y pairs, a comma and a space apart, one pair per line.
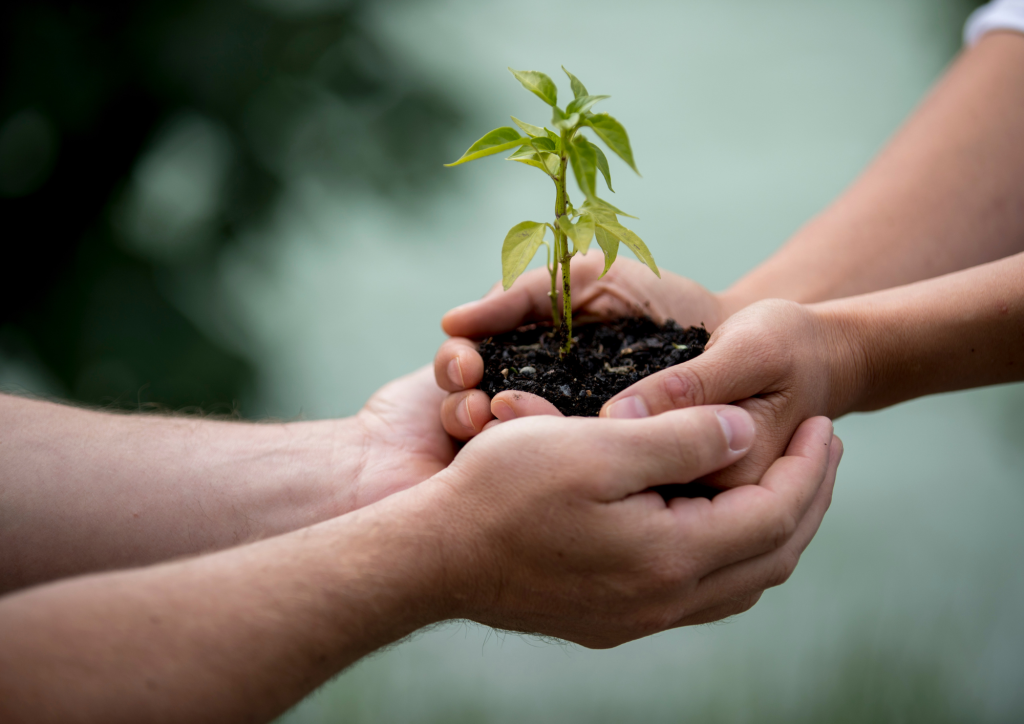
780, 361
550, 525
401, 437
628, 289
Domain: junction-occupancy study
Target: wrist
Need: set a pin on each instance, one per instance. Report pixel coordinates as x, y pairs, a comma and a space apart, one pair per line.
457, 550
337, 463
430, 549
303, 473
846, 340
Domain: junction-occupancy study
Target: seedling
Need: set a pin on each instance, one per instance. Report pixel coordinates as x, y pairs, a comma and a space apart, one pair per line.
552, 152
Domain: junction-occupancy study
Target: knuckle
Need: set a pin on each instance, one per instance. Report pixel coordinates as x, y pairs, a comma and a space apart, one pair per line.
737, 606
782, 528
700, 443
747, 603
782, 568
684, 453
681, 386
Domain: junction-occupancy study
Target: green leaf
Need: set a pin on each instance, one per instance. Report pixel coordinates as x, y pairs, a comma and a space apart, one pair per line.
614, 135
601, 213
563, 121
583, 104
634, 242
538, 84
584, 233
597, 205
609, 244
520, 245
565, 225
581, 233
584, 166
578, 89
546, 162
602, 166
544, 144
528, 129
498, 140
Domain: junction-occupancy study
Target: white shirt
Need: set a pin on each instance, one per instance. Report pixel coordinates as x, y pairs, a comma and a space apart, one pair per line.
997, 15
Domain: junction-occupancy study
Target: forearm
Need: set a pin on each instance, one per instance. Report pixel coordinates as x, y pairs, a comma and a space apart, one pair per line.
946, 194
238, 635
954, 332
86, 491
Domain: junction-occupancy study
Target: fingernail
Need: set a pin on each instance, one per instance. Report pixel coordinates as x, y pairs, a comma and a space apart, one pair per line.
738, 427
455, 373
628, 408
463, 416
503, 411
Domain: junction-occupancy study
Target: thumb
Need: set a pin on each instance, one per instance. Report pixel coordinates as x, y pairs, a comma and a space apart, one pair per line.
680, 447
733, 368
528, 300
510, 404
500, 311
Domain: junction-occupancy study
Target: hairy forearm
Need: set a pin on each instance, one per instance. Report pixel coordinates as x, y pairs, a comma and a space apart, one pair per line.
87, 491
953, 332
946, 194
238, 635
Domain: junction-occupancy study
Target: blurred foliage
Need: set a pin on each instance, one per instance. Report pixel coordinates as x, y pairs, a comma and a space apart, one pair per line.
138, 139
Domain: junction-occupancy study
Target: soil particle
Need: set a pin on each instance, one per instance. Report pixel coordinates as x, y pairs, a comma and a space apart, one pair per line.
606, 358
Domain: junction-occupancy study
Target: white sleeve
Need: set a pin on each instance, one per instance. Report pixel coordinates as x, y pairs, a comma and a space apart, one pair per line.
997, 15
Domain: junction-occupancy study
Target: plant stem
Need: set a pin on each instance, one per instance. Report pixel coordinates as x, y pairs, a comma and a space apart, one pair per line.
553, 269
562, 248
566, 308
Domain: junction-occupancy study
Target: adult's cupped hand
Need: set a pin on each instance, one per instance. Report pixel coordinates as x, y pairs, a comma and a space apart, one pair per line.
552, 527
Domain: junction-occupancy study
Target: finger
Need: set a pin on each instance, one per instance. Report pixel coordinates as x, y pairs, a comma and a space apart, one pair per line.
776, 416
736, 367
457, 365
677, 447
464, 414
745, 581
528, 300
750, 520
510, 404
500, 311
731, 607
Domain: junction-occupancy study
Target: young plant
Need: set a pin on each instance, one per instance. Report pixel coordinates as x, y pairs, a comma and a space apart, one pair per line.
552, 152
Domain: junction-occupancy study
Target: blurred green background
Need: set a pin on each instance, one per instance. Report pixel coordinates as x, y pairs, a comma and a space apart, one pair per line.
239, 207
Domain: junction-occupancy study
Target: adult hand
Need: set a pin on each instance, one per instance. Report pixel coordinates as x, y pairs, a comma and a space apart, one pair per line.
780, 361
567, 540
628, 289
401, 437
183, 486
543, 525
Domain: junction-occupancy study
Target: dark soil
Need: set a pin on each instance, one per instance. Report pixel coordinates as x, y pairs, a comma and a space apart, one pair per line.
606, 358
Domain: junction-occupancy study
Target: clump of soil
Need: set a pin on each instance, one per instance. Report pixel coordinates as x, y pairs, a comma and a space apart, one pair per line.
606, 358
